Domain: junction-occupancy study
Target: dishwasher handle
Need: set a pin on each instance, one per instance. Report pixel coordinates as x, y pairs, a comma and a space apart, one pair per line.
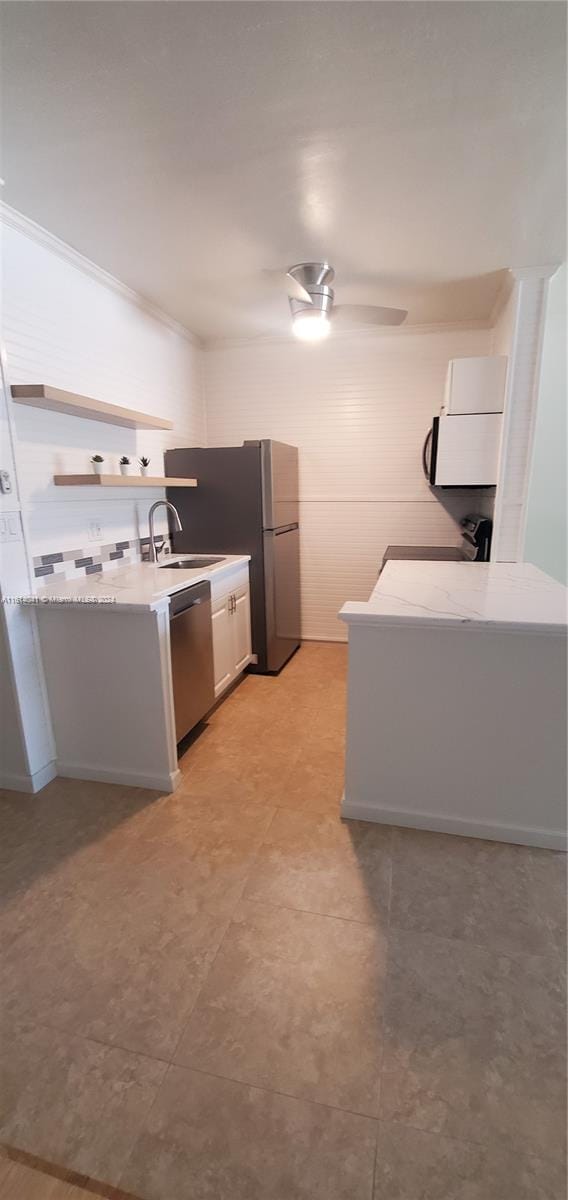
180, 602
187, 608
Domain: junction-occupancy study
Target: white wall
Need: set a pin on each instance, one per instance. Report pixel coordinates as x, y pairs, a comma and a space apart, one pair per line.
65, 325
504, 320
358, 407
546, 534
30, 764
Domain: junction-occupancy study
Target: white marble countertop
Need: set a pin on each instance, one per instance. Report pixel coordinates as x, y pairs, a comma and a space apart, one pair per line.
507, 596
141, 587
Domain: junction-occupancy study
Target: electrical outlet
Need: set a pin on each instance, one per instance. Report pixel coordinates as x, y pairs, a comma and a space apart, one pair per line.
5, 482
95, 534
10, 529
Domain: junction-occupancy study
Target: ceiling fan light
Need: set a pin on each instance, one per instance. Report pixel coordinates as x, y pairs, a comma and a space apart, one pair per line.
311, 326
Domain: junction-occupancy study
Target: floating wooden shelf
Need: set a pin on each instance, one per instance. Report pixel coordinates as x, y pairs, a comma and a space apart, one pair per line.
40, 395
93, 480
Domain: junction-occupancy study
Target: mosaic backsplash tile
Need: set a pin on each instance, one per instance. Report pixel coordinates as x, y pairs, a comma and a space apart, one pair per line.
73, 564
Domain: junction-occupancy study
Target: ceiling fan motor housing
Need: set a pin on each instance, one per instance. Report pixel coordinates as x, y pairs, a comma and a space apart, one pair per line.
316, 279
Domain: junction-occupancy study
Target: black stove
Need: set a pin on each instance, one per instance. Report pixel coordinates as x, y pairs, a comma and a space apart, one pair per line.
475, 547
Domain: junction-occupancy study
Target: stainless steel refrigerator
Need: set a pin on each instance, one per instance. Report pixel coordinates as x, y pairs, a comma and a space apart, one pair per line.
246, 502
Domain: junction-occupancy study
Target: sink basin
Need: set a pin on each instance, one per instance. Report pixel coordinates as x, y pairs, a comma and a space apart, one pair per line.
189, 563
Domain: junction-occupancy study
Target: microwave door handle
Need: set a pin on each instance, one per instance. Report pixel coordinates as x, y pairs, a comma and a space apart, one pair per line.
425, 463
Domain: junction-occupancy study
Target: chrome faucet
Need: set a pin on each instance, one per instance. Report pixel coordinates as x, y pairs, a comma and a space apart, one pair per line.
177, 524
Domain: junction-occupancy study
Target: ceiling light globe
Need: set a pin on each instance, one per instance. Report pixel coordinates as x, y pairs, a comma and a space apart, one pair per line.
311, 326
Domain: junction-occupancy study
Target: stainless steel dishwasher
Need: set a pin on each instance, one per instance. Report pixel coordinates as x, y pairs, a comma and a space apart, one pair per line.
191, 640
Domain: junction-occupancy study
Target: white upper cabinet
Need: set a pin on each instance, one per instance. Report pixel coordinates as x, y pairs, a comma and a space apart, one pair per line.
475, 385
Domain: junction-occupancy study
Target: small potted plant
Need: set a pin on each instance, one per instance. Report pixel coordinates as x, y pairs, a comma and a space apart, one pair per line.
124, 465
144, 464
98, 463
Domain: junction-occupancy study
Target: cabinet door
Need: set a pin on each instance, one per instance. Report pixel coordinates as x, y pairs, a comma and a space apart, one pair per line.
223, 654
241, 631
476, 385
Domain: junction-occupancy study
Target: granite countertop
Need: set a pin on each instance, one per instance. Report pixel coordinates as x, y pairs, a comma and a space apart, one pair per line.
141, 587
506, 596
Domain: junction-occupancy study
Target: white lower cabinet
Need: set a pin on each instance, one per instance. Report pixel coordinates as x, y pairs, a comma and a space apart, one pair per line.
231, 629
241, 631
222, 647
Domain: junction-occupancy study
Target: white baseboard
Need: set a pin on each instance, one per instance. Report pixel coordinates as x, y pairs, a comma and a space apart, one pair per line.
548, 839
339, 641
166, 782
28, 783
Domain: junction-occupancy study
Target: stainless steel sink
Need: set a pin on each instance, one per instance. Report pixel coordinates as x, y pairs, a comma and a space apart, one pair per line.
191, 563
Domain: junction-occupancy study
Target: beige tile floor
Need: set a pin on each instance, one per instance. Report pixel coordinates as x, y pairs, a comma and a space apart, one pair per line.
20, 1182
231, 994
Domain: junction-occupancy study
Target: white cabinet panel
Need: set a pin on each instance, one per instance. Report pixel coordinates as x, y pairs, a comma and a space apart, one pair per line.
222, 648
241, 631
466, 450
232, 648
475, 385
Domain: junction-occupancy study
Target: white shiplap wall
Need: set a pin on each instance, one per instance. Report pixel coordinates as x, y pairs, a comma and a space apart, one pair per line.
358, 407
64, 325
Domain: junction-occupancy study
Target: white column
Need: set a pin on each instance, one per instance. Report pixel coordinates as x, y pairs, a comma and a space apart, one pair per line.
520, 411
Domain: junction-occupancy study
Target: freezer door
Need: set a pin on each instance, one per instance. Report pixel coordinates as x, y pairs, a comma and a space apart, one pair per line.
282, 574
279, 467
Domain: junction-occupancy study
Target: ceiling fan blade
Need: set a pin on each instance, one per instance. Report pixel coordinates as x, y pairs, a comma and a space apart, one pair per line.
351, 315
283, 282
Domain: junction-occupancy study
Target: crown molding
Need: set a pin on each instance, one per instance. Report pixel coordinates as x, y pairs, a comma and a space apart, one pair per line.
541, 271
16, 220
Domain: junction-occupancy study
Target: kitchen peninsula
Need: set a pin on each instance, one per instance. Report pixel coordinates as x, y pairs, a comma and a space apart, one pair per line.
457, 701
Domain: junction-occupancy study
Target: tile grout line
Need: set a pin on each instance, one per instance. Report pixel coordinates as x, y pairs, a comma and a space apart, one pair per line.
384, 1008
240, 898
309, 912
221, 943
511, 955
392, 932
107, 1191
258, 1087
462, 1141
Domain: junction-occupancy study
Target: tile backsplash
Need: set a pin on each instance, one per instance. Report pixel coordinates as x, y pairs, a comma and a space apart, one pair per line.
73, 564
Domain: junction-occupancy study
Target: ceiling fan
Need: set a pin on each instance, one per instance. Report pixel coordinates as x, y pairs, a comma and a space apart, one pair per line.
311, 299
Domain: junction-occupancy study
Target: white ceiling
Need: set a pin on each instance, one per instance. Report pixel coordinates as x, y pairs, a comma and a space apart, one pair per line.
184, 147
